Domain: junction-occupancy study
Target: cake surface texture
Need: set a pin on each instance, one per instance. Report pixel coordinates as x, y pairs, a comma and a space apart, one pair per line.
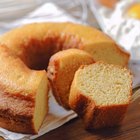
24, 58
100, 94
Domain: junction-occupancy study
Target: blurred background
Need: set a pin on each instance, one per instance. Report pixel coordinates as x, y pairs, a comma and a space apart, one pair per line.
46, 10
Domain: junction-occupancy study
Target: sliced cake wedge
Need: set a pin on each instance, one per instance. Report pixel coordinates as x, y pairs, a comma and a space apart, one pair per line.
61, 70
100, 94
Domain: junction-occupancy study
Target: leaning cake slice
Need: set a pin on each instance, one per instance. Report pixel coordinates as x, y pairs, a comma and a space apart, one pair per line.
61, 70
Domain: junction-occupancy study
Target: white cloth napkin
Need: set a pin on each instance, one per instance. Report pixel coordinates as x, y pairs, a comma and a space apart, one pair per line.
57, 115
44, 13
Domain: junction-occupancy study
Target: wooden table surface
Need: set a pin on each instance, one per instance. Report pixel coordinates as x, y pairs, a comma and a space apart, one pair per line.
73, 130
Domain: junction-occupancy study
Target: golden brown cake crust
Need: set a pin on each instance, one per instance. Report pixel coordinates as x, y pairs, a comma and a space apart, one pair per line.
53, 77
16, 113
105, 117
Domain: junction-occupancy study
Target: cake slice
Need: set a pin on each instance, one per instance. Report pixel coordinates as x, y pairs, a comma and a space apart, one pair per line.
100, 94
61, 70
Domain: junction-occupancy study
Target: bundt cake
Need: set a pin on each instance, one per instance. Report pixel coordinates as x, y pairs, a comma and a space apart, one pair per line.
23, 94
100, 94
24, 50
61, 70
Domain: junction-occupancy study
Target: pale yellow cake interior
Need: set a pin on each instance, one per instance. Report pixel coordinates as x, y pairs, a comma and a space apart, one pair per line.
41, 107
105, 53
106, 84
